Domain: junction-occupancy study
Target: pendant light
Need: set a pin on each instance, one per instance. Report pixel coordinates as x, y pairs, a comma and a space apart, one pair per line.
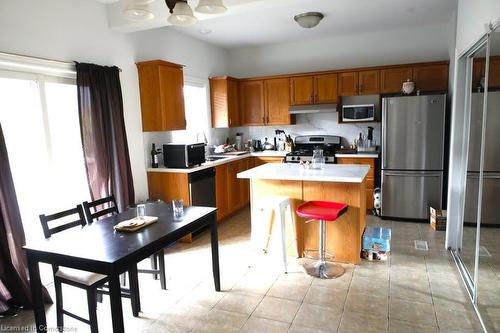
138, 10
308, 20
181, 14
210, 7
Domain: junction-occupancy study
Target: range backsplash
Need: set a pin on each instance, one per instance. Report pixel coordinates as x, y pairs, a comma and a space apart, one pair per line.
307, 124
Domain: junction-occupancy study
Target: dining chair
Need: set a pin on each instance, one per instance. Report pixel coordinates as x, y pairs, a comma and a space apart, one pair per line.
88, 281
103, 207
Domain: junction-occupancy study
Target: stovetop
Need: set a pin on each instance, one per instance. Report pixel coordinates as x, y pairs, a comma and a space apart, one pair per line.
304, 146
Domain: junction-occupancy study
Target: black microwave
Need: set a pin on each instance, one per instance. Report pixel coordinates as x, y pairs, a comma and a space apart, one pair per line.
361, 112
177, 155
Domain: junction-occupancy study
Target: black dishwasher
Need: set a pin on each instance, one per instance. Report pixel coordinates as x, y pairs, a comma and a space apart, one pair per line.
202, 187
202, 190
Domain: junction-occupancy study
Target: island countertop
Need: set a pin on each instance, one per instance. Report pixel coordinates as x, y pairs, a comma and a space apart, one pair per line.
340, 173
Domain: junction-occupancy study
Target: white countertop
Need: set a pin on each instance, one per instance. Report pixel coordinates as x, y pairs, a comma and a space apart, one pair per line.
227, 159
340, 173
359, 155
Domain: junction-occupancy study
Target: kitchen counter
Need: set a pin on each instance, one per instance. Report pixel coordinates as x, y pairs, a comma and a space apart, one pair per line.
335, 182
227, 159
359, 155
294, 171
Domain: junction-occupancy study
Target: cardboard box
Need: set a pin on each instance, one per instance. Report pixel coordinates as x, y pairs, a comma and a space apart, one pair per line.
377, 239
438, 219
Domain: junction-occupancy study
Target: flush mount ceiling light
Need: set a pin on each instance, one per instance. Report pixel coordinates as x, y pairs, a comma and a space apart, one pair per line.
308, 20
138, 10
210, 7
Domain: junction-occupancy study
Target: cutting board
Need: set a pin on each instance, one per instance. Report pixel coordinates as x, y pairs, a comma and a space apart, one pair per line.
136, 223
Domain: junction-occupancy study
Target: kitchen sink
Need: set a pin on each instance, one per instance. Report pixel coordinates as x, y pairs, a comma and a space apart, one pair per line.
215, 158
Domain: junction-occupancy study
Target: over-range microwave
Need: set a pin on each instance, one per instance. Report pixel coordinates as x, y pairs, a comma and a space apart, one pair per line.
358, 113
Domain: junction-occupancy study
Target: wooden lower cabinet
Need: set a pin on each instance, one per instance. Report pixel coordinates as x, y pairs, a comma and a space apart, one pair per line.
370, 177
232, 193
259, 160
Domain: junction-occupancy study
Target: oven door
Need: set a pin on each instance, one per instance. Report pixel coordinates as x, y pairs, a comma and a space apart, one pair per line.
354, 113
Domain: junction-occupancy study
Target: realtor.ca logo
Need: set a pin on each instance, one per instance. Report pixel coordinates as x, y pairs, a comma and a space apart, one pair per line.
31, 328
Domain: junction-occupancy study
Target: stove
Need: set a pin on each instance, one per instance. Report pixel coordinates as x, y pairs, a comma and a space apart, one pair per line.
305, 144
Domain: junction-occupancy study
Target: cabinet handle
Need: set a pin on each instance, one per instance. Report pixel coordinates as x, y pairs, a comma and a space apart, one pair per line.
268, 119
230, 121
264, 119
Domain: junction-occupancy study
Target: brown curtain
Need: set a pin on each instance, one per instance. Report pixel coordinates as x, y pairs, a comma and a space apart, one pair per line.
103, 133
14, 284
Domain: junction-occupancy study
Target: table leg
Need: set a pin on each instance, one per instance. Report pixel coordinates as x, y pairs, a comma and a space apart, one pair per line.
115, 296
37, 294
134, 290
215, 250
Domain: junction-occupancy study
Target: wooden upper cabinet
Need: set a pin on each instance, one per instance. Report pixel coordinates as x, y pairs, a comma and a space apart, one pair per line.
251, 95
369, 82
477, 72
161, 86
277, 96
431, 77
224, 102
494, 72
391, 79
325, 88
302, 90
348, 83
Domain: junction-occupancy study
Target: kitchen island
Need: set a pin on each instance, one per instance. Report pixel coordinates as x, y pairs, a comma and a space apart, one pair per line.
341, 183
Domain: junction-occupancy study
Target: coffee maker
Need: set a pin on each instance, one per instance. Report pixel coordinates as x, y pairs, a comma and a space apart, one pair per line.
256, 145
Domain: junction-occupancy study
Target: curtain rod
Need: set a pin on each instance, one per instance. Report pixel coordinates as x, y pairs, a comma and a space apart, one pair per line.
43, 59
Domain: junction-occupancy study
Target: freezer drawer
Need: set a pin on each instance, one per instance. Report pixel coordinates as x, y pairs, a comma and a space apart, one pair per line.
491, 193
408, 194
413, 132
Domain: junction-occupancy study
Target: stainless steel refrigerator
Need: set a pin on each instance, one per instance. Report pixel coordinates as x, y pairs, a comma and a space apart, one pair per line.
413, 138
491, 175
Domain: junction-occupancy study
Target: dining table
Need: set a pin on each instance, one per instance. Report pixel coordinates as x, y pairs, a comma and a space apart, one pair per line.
99, 248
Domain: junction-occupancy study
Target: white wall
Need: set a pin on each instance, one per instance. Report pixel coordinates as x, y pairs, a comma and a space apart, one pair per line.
370, 49
471, 20
77, 30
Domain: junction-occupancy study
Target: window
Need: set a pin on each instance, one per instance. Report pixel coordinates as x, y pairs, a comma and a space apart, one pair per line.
196, 111
39, 117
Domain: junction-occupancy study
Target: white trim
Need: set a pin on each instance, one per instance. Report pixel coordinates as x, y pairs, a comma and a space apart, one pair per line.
19, 63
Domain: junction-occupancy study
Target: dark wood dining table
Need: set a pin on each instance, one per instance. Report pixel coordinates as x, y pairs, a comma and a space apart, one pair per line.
99, 248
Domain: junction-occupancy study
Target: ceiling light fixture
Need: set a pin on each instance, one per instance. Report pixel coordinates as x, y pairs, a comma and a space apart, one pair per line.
204, 31
308, 20
210, 7
181, 14
138, 10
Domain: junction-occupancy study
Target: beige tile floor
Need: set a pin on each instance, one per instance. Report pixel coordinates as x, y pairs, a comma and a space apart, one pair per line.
414, 291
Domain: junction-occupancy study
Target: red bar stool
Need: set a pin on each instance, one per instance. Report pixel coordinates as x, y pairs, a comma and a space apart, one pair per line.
322, 211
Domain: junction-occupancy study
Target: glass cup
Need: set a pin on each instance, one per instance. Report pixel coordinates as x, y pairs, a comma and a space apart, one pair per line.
178, 208
141, 210
318, 160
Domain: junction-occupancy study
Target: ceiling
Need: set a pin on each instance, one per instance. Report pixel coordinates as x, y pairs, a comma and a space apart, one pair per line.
260, 22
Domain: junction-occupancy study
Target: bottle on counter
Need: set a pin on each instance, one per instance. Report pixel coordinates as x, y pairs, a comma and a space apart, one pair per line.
154, 157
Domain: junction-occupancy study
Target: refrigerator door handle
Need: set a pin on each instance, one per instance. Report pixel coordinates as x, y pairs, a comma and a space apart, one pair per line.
384, 137
413, 173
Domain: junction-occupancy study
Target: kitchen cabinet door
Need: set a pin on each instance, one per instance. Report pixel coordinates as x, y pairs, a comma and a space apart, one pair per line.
244, 184
348, 83
431, 77
162, 99
221, 192
224, 102
370, 177
233, 188
277, 95
369, 82
325, 88
391, 79
494, 72
302, 90
477, 72
252, 102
